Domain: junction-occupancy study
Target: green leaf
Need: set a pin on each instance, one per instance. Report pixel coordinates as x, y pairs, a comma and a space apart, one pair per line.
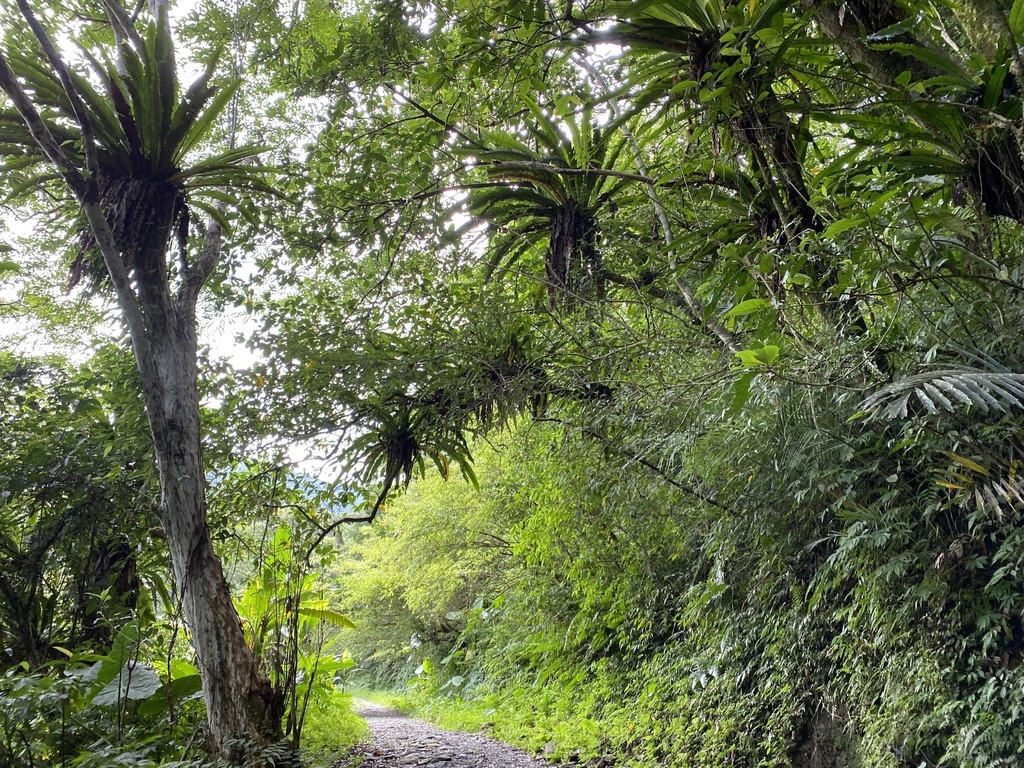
1016, 19
748, 307
202, 124
178, 690
328, 615
134, 682
933, 57
741, 392
753, 358
994, 86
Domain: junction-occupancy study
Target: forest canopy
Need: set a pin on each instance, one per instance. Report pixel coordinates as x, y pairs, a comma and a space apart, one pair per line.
671, 350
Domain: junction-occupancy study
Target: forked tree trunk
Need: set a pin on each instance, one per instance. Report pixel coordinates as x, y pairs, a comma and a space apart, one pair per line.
243, 710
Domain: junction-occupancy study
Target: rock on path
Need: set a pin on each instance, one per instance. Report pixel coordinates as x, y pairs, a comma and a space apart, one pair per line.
399, 741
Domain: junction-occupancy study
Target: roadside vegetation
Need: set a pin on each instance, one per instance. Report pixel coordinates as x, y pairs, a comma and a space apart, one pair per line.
639, 381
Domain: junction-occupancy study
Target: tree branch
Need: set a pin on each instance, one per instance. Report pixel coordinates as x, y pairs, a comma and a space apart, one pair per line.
326, 531
693, 304
426, 194
431, 116
38, 130
671, 297
537, 166
616, 445
123, 24
82, 188
201, 269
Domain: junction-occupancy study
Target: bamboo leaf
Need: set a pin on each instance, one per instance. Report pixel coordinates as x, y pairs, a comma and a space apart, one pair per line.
963, 461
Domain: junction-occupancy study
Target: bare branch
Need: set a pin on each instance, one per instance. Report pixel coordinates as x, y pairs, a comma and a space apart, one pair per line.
200, 270
124, 28
326, 531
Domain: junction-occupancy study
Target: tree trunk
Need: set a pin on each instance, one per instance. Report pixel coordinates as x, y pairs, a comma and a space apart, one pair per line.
243, 710
240, 703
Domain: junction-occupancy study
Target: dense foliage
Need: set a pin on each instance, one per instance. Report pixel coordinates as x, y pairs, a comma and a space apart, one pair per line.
694, 325
753, 283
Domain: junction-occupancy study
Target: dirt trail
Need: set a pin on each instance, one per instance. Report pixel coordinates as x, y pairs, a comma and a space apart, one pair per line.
400, 741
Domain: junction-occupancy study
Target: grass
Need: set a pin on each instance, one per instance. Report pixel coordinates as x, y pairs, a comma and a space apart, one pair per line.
331, 727
398, 701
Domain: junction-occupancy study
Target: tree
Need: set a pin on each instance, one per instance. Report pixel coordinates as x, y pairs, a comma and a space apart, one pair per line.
121, 153
74, 447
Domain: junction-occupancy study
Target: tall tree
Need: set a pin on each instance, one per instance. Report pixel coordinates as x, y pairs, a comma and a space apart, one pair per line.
121, 153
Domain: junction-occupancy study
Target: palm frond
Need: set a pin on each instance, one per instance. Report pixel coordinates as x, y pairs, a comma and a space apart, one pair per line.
947, 390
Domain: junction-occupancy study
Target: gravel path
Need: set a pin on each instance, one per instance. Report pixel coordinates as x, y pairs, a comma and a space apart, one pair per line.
399, 741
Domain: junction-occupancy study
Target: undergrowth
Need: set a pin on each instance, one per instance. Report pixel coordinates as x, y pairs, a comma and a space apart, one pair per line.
330, 728
874, 626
